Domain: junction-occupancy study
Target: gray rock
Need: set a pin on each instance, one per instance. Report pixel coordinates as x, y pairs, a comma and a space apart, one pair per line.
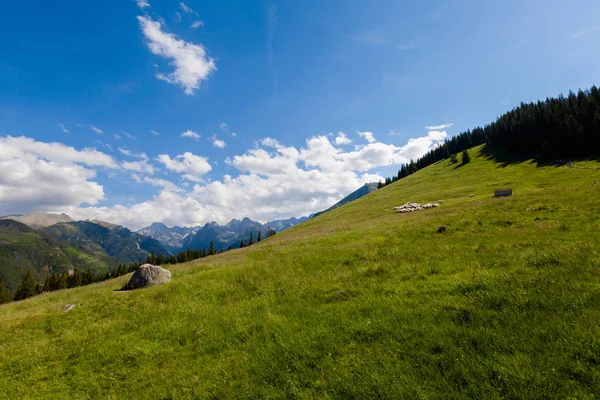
68, 307
148, 275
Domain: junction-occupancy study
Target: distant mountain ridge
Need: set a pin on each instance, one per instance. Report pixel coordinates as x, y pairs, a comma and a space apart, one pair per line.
196, 238
39, 220
171, 238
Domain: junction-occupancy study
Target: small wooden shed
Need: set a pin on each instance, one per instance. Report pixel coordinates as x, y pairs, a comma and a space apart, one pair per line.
503, 192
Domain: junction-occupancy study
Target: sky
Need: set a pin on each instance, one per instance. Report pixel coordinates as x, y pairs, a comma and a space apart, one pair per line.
188, 112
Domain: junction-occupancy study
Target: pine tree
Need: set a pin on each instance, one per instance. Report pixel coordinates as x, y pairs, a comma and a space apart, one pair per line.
27, 288
259, 237
453, 159
211, 249
251, 241
4, 293
465, 157
241, 243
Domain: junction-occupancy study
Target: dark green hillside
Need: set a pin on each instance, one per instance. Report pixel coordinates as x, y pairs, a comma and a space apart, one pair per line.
22, 249
119, 243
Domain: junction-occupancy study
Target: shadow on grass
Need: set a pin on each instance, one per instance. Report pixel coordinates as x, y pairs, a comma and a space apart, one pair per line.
504, 157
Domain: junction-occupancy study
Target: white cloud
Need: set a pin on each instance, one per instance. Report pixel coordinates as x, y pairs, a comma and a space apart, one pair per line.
368, 136
39, 176
117, 136
142, 4
98, 131
164, 184
105, 145
190, 61
129, 153
154, 132
584, 32
185, 8
197, 24
342, 139
62, 127
128, 135
439, 127
189, 165
219, 143
125, 151
225, 129
190, 134
138, 166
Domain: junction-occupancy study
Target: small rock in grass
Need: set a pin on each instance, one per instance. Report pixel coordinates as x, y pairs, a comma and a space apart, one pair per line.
442, 229
68, 307
472, 195
148, 275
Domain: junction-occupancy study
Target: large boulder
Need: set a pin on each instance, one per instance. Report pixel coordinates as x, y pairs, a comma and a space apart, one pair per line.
148, 275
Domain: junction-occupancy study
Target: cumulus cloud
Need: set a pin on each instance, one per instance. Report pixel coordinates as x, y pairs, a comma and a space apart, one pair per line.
62, 127
368, 136
97, 130
190, 134
439, 127
190, 62
219, 143
164, 184
138, 166
342, 139
190, 166
39, 176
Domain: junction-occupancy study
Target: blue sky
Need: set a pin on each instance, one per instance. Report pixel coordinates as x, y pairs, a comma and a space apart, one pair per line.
267, 86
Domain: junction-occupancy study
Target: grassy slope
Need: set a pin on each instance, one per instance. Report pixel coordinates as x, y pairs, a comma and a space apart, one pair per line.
360, 302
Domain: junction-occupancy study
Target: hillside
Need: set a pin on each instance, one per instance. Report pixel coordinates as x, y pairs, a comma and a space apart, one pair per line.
117, 241
23, 249
357, 303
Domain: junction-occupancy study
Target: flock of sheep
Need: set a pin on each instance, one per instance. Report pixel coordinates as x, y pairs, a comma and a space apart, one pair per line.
410, 207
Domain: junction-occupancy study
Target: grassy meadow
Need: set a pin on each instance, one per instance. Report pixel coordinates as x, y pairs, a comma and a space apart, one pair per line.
356, 303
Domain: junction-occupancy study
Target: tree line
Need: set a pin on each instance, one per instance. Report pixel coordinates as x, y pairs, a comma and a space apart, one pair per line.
29, 287
562, 127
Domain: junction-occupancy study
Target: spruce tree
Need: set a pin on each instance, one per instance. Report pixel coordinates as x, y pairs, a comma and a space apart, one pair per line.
211, 249
259, 237
4, 293
251, 241
465, 157
27, 288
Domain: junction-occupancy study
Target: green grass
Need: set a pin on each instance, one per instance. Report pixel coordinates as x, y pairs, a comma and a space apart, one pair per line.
357, 303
